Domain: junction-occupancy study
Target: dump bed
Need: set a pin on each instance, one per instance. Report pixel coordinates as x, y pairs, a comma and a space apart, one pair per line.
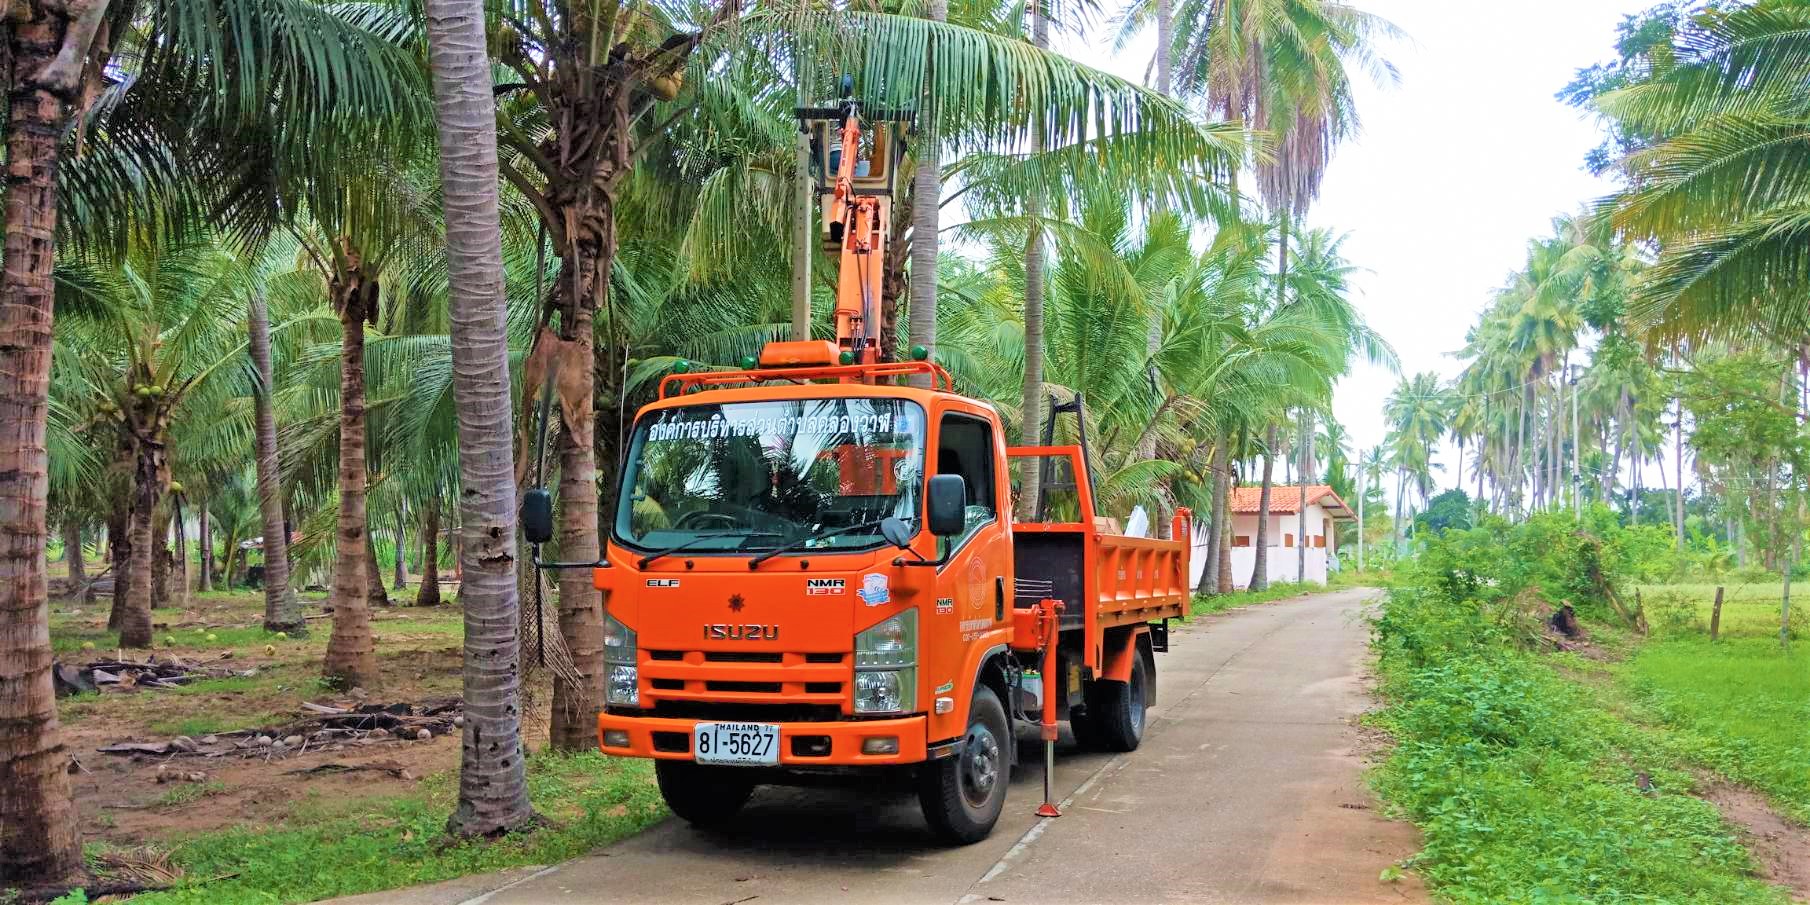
1103, 578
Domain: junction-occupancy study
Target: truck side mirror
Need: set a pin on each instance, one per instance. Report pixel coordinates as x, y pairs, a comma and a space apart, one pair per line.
948, 504
537, 515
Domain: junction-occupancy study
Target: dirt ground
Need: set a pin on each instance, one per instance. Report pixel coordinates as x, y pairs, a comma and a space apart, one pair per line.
1781, 849
120, 798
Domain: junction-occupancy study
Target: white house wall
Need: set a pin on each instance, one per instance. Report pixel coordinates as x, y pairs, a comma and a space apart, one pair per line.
1283, 563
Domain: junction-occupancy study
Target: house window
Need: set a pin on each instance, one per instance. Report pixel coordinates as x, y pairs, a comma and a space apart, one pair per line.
1320, 541
1241, 540
1288, 540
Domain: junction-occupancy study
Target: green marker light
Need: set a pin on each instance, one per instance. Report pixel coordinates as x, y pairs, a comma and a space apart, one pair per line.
847, 358
919, 353
748, 362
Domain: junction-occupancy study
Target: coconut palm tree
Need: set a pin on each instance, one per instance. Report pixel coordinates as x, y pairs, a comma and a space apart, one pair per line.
282, 609
160, 338
493, 790
1717, 180
1280, 66
61, 63
1418, 411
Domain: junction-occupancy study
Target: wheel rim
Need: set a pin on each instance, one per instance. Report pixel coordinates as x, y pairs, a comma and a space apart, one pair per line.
980, 766
1136, 696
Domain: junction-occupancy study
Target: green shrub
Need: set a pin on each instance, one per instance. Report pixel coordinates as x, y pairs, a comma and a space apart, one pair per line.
1526, 786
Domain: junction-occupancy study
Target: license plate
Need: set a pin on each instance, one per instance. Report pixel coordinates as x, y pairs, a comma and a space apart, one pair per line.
735, 743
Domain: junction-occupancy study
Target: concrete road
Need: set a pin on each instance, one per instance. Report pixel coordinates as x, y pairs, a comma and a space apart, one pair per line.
1247, 788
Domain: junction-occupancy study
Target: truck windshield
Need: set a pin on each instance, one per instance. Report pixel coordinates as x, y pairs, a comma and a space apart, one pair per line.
751, 476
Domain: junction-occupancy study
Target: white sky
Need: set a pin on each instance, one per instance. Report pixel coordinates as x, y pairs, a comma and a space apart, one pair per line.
1457, 168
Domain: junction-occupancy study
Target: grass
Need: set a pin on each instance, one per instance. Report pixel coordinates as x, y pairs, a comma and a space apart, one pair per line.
1352, 578
1741, 706
1528, 786
206, 706
1748, 610
376, 844
189, 793
1205, 604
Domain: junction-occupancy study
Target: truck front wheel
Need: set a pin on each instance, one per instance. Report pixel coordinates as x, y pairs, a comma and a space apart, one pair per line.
963, 795
704, 796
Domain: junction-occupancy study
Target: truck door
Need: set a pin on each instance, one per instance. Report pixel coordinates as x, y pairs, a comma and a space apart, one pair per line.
973, 599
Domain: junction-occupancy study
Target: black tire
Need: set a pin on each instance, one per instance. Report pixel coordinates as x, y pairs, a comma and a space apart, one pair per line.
704, 796
963, 796
1086, 729
1117, 710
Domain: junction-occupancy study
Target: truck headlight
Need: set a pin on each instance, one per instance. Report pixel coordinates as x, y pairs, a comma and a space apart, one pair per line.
886, 657
624, 686
624, 678
885, 690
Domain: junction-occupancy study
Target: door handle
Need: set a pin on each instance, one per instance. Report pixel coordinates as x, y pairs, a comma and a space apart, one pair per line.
999, 599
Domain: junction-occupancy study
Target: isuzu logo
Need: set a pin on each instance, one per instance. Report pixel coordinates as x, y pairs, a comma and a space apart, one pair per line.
741, 632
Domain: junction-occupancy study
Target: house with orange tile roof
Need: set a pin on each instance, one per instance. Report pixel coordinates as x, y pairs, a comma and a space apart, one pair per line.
1287, 546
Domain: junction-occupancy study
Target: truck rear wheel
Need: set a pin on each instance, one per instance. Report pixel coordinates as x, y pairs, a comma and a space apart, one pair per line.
703, 796
962, 796
1116, 712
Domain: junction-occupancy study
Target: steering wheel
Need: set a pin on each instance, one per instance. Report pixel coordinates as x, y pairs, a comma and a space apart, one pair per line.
701, 519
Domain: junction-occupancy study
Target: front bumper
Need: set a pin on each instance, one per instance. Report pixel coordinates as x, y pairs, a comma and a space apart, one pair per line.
668, 738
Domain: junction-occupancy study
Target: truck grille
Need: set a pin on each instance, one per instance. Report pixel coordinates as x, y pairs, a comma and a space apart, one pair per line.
718, 680
749, 713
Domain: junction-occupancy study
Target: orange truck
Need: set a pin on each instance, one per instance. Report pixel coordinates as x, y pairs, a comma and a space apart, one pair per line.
813, 568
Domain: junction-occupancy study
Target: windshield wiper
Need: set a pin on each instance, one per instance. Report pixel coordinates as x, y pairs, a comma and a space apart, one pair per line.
820, 534
686, 545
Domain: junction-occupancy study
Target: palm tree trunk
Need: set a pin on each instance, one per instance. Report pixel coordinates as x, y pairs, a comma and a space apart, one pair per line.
1260, 574
72, 555
493, 788
119, 552
1678, 470
374, 590
160, 559
40, 839
1216, 522
135, 621
1225, 531
1521, 470
575, 709
351, 650
1031, 412
1634, 462
1153, 336
282, 609
402, 564
1165, 46
429, 592
1401, 492
926, 222
205, 538
1307, 453
179, 574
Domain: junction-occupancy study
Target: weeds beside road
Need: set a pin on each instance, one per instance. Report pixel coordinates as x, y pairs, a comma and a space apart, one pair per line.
1530, 785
